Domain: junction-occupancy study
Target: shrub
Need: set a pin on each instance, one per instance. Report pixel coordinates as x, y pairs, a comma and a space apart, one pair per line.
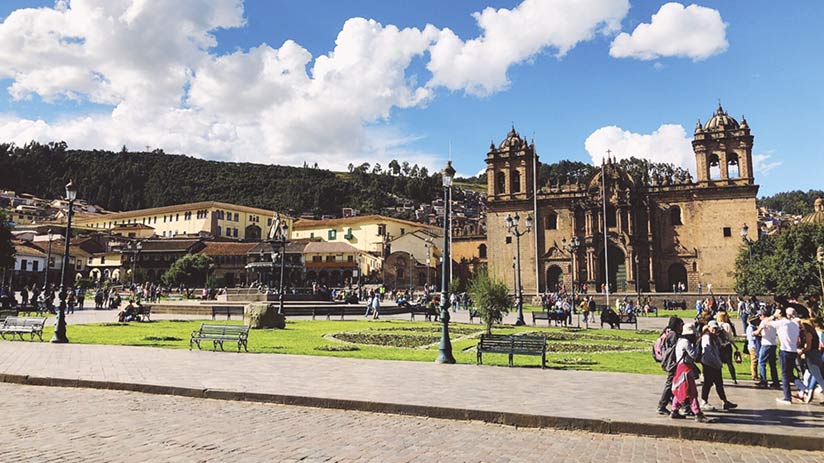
490, 298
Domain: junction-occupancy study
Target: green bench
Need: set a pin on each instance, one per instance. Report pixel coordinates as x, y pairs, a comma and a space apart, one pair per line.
33, 326
219, 334
512, 345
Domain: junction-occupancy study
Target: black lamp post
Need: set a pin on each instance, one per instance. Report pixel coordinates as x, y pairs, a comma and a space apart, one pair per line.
60, 328
135, 255
428, 245
572, 247
638, 278
411, 274
512, 227
445, 348
48, 262
279, 242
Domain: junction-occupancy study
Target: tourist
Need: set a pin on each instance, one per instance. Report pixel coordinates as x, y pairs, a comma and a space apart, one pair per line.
699, 288
809, 349
70, 301
376, 305
788, 334
814, 382
369, 304
753, 347
727, 338
767, 353
24, 295
684, 390
672, 332
712, 362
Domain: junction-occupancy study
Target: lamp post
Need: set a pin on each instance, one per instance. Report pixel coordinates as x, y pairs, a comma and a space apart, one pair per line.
48, 261
278, 241
411, 274
512, 227
573, 247
428, 245
637, 278
514, 274
135, 255
445, 347
60, 327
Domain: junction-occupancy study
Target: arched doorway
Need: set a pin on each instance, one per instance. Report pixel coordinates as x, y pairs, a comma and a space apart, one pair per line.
252, 233
617, 272
677, 274
554, 276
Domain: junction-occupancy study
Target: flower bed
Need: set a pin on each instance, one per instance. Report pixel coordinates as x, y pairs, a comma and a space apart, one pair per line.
387, 339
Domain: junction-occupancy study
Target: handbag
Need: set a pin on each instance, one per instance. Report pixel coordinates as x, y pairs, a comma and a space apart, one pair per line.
737, 356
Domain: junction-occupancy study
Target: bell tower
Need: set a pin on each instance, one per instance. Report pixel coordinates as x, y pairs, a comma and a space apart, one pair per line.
510, 169
723, 151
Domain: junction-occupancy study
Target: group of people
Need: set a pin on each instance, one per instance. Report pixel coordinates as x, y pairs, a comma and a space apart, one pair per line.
705, 346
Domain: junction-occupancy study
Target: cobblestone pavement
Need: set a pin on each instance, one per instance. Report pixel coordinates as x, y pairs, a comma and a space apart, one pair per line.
106, 426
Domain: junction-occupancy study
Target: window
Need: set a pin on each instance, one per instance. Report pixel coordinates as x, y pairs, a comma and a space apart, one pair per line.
234, 232
500, 183
675, 215
403, 230
164, 232
330, 258
164, 219
727, 232
482, 251
612, 217
237, 217
217, 231
382, 230
23, 264
269, 222
333, 234
350, 258
551, 221
35, 266
317, 258
348, 234
228, 231
516, 181
508, 240
177, 217
715, 167
311, 235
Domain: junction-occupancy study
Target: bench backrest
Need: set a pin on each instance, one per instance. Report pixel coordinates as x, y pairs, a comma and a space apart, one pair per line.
224, 330
24, 322
227, 309
496, 341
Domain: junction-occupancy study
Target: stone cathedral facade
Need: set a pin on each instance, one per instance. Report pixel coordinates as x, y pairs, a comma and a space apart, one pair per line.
661, 231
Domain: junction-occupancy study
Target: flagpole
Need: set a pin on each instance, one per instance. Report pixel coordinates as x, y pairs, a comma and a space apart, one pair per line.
604, 224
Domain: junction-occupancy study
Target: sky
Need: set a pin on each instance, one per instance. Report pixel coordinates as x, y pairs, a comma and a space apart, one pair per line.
340, 82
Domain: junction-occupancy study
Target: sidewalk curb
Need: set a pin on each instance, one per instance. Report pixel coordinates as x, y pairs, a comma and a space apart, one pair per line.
703, 433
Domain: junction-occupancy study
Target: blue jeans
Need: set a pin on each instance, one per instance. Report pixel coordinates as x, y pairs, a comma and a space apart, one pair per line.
767, 354
814, 367
787, 365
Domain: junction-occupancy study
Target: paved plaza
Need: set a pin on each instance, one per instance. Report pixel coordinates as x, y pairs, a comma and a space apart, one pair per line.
70, 424
611, 402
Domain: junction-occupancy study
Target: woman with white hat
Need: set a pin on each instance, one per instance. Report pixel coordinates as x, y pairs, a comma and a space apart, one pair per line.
684, 390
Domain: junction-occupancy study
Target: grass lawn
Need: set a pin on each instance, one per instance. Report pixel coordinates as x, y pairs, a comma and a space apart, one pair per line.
598, 350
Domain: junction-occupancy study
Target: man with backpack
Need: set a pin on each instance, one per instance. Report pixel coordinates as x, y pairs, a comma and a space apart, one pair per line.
663, 351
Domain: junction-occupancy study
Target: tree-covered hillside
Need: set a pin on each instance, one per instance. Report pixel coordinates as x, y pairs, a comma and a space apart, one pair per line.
129, 180
792, 202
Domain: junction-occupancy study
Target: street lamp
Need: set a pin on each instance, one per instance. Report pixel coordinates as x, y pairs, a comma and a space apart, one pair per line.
744, 231
48, 262
135, 255
638, 278
512, 224
428, 245
445, 347
60, 328
573, 247
278, 241
411, 272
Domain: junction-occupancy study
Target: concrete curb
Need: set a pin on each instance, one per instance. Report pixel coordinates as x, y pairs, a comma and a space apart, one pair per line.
703, 433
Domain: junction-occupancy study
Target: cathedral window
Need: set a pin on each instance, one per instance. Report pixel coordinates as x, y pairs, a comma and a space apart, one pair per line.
516, 181
675, 215
482, 251
500, 183
612, 217
551, 221
727, 232
715, 167
508, 240
733, 170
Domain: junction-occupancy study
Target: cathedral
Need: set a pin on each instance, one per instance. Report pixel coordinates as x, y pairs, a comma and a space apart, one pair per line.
662, 230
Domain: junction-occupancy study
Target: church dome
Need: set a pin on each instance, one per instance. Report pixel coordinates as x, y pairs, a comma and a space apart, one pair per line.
721, 121
512, 139
817, 217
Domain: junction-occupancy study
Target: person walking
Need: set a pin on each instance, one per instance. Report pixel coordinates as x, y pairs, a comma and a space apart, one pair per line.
788, 333
766, 355
754, 347
376, 305
727, 337
684, 390
671, 334
809, 349
712, 362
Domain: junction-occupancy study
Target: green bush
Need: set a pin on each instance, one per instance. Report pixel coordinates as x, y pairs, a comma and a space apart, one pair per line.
490, 298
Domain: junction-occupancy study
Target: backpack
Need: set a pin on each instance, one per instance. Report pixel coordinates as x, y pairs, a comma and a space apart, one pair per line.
668, 361
699, 350
658, 347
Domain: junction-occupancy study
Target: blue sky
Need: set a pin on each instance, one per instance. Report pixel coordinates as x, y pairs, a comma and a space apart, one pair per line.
769, 69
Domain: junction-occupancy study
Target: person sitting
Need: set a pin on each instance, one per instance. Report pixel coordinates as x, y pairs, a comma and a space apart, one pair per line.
128, 313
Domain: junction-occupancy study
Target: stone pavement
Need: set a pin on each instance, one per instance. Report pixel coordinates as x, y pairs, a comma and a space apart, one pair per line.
103, 426
529, 397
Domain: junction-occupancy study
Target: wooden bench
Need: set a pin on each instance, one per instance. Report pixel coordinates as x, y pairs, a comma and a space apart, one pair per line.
227, 310
143, 313
427, 312
329, 311
511, 345
540, 316
218, 334
554, 315
33, 326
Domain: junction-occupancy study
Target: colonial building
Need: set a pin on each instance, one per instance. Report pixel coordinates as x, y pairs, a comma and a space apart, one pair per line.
368, 233
661, 230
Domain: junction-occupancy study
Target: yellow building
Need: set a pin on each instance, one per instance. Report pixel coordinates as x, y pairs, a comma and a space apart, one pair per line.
367, 233
192, 219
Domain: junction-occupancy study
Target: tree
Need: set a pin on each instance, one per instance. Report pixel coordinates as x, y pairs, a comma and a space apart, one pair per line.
191, 270
405, 168
782, 265
394, 167
423, 173
6, 248
455, 286
351, 167
377, 169
490, 297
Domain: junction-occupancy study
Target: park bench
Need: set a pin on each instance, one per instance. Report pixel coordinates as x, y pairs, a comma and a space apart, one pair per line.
227, 310
329, 311
675, 305
218, 334
540, 316
427, 312
33, 326
512, 345
143, 313
174, 297
613, 319
550, 316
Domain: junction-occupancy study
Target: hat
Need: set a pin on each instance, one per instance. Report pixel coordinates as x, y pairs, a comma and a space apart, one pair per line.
790, 312
713, 324
688, 329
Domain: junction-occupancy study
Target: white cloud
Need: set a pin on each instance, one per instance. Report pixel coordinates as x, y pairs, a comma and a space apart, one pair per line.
669, 144
153, 64
762, 164
479, 66
694, 32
